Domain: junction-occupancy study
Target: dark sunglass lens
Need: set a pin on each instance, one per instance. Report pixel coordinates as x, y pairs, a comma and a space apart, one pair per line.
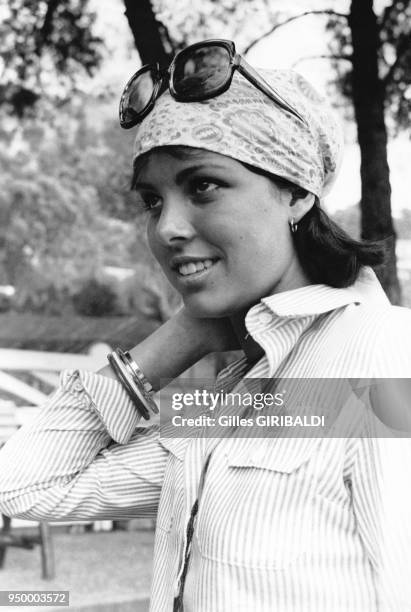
201, 71
137, 95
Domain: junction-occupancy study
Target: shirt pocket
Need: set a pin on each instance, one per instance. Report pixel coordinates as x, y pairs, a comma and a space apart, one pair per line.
258, 513
172, 492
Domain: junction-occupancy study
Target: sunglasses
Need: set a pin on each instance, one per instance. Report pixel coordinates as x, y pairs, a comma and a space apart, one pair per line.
198, 72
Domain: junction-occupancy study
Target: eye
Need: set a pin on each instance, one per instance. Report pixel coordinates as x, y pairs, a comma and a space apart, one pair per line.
204, 186
149, 201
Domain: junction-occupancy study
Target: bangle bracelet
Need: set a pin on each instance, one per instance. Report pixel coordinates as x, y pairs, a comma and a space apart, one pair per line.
125, 355
127, 381
139, 380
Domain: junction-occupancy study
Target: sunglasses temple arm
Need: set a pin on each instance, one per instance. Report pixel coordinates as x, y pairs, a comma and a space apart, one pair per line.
257, 80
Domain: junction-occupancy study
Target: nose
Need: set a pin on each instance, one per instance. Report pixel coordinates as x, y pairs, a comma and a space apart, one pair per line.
175, 223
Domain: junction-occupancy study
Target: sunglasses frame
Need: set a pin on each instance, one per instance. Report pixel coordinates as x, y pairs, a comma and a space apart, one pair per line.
162, 78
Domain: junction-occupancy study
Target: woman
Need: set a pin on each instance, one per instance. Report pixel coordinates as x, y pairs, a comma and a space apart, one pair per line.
231, 165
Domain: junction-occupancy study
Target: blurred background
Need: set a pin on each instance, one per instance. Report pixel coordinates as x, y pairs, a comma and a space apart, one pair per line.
75, 271
72, 238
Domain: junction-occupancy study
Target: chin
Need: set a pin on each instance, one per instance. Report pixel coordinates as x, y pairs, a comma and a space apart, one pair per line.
209, 309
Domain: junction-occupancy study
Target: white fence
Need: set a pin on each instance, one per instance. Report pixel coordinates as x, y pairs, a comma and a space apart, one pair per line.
42, 366
23, 400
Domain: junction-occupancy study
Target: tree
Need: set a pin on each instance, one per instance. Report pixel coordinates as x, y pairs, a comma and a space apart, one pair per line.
45, 46
368, 95
66, 211
54, 229
151, 37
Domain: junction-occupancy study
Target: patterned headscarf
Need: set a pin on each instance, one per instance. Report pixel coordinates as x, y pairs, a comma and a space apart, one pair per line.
245, 124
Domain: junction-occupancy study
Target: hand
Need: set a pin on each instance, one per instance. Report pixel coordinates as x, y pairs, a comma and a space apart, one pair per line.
178, 344
216, 335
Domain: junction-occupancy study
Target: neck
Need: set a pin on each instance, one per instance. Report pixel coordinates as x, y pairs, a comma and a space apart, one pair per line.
294, 279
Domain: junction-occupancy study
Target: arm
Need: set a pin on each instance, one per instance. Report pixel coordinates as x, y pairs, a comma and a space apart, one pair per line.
83, 457
178, 344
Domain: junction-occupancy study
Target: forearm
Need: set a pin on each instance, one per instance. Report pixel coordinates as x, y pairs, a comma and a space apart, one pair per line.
176, 345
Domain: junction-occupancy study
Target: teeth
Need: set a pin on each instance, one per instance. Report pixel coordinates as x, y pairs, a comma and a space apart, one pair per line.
193, 267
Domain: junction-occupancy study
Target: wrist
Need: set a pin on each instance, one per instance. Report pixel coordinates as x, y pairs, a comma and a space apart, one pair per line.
178, 344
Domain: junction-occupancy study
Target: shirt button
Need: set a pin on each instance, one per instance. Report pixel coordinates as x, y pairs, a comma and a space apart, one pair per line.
78, 387
265, 318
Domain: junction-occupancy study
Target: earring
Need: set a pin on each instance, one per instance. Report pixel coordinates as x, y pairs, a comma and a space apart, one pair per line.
293, 225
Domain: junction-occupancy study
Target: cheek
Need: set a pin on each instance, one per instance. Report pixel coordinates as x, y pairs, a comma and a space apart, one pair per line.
267, 248
152, 241
263, 233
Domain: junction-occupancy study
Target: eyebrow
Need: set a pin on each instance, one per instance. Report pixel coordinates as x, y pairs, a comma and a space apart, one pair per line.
183, 174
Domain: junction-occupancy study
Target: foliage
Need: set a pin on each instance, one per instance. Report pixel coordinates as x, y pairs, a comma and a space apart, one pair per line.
396, 59
214, 19
67, 212
45, 48
58, 204
95, 299
229, 19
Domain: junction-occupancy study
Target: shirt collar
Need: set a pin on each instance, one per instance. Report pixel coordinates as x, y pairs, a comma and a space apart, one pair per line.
318, 299
295, 310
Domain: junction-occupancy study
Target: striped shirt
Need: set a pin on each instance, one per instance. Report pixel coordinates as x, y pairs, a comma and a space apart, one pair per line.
285, 525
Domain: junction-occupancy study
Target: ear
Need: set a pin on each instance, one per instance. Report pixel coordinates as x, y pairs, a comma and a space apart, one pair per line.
300, 203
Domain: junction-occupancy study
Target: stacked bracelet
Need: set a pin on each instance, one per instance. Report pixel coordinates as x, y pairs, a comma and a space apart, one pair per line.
134, 382
139, 374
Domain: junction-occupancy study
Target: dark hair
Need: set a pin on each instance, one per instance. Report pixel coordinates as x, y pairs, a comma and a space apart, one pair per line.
327, 254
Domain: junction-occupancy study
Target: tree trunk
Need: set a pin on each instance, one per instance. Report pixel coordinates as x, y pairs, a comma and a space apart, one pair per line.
150, 36
368, 99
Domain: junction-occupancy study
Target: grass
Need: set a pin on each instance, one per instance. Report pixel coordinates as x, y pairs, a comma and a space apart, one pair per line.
97, 568
70, 333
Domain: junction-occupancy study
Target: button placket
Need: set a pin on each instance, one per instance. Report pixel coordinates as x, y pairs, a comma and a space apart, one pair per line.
189, 533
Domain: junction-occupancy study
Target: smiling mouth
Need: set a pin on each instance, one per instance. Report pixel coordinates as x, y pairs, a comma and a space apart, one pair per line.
193, 268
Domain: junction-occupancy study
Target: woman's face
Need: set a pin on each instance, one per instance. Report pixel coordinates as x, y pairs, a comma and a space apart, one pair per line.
219, 231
